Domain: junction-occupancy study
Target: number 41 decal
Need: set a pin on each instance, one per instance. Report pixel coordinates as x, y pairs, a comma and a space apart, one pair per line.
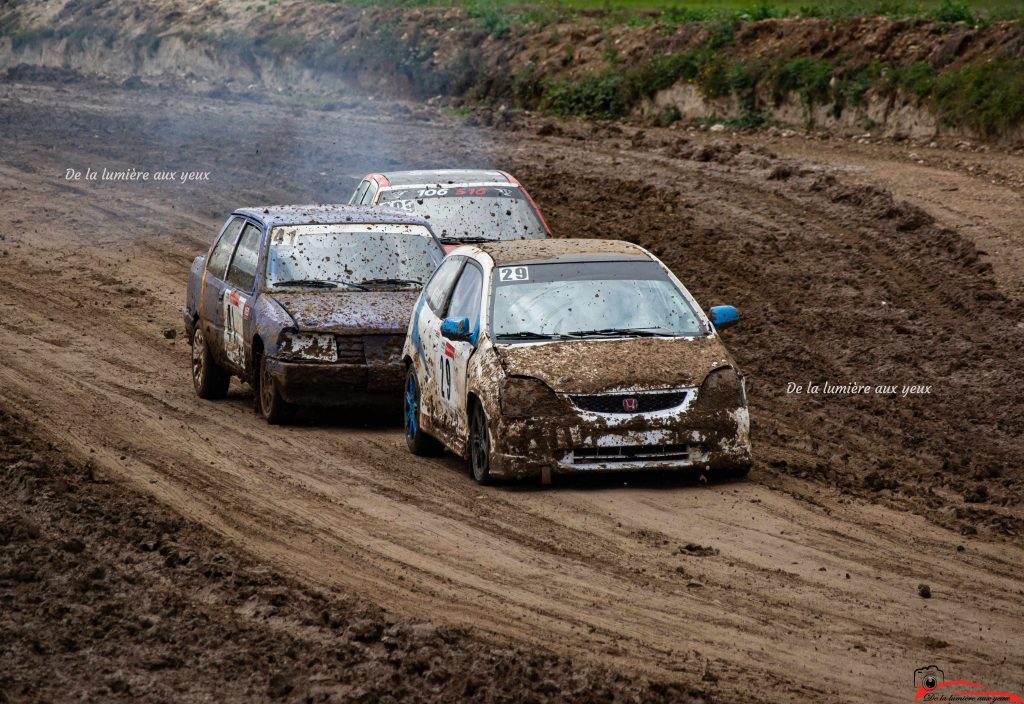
514, 273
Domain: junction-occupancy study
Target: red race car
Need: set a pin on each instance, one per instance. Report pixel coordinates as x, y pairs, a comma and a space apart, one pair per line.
462, 206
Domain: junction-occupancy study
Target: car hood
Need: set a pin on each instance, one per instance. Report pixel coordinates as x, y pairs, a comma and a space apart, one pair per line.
602, 366
365, 312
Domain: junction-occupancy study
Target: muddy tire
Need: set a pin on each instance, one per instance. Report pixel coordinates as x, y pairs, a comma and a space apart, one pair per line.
208, 378
479, 445
272, 406
418, 442
737, 471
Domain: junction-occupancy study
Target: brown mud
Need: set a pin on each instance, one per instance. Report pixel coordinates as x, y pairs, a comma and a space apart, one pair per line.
110, 596
803, 583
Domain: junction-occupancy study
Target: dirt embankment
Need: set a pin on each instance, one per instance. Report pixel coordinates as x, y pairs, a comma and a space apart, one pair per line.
109, 596
905, 77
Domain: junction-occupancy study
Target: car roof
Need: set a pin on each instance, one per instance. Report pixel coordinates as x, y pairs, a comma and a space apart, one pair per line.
430, 176
275, 215
561, 251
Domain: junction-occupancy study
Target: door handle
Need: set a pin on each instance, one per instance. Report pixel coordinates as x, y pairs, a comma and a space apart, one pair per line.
220, 296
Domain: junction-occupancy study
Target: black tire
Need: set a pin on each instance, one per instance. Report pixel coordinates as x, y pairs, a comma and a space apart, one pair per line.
479, 445
208, 378
738, 471
418, 442
272, 406
735, 471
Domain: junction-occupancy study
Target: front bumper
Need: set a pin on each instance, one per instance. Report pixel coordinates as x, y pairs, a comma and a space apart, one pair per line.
339, 384
583, 442
189, 321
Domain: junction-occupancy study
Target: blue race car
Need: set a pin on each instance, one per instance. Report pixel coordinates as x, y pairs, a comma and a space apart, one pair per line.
308, 304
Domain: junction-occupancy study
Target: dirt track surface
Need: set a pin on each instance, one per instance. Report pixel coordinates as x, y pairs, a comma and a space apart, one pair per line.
110, 596
800, 584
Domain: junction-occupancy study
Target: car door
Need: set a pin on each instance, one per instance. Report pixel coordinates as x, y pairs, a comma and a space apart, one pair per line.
211, 295
237, 301
465, 303
435, 379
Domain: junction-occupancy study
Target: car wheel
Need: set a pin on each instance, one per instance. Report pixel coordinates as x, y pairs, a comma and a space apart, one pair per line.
737, 471
479, 445
208, 378
419, 442
274, 408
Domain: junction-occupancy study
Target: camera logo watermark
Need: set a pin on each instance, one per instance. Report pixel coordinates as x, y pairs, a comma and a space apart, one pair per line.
931, 685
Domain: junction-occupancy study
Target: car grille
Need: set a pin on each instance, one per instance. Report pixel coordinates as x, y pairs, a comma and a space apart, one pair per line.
630, 403
630, 453
351, 349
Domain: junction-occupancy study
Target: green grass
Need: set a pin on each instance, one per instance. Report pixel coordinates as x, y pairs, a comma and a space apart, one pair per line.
502, 14
989, 98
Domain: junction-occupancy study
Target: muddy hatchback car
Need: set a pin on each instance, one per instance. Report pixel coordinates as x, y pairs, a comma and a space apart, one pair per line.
309, 304
540, 357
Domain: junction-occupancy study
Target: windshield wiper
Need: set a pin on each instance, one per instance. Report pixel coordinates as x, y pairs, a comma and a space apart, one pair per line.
616, 332
466, 240
319, 283
528, 335
407, 282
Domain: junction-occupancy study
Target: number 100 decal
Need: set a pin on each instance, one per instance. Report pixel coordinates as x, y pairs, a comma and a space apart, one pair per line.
514, 273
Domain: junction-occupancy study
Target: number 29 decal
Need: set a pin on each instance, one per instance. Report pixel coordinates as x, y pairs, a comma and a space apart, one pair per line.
514, 273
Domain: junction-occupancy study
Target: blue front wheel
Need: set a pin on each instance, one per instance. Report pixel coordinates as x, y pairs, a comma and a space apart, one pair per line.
419, 442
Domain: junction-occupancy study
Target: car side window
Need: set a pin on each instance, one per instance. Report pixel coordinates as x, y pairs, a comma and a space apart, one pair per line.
370, 193
465, 301
357, 197
218, 261
242, 272
439, 287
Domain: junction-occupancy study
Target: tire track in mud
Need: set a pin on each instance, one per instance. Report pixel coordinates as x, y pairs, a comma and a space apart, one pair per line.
580, 568
945, 301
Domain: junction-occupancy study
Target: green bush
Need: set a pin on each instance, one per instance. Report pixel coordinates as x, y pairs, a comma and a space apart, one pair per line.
918, 77
988, 98
808, 77
950, 11
665, 71
601, 95
849, 89
492, 15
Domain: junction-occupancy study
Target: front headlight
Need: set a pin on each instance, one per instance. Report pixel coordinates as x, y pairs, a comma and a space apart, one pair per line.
722, 388
308, 346
522, 397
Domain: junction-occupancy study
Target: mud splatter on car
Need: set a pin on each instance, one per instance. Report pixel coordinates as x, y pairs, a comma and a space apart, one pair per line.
308, 304
544, 357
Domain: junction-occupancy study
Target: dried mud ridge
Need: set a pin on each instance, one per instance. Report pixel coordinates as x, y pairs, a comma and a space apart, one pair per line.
107, 596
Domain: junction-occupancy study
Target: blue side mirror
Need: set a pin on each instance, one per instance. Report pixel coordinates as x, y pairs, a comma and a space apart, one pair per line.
456, 329
723, 316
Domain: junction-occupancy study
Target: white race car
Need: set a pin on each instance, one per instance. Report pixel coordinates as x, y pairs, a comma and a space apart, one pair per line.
551, 356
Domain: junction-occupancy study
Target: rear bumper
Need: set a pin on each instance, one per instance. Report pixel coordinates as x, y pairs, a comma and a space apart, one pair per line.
338, 384
583, 443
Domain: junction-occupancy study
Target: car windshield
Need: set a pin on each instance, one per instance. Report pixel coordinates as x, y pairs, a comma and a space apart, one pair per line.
351, 257
470, 213
589, 300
